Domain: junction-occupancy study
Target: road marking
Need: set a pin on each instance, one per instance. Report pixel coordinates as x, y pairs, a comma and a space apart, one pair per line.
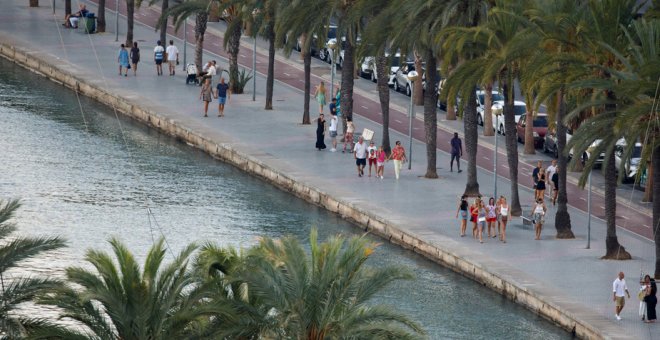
505, 166
647, 226
242, 55
624, 217
301, 80
286, 74
398, 121
364, 107
602, 207
415, 128
486, 158
584, 199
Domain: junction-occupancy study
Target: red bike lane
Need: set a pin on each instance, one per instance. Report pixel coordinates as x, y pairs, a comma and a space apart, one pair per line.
629, 218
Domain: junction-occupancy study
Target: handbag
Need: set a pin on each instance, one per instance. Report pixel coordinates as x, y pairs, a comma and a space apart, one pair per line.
641, 295
482, 219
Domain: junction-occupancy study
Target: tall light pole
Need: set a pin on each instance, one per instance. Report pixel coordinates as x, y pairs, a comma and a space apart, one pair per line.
332, 45
185, 43
254, 69
497, 113
412, 76
589, 213
117, 20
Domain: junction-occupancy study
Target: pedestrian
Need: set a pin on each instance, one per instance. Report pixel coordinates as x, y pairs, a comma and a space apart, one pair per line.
620, 290
371, 156
135, 57
549, 172
320, 96
535, 175
538, 217
159, 55
462, 209
555, 185
644, 283
380, 162
320, 132
503, 212
172, 57
334, 121
474, 214
122, 58
651, 300
539, 192
222, 92
360, 155
491, 217
456, 153
399, 157
481, 220
348, 138
206, 94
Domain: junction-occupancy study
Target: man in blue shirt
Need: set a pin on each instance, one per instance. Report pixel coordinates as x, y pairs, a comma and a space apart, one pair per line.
223, 93
456, 153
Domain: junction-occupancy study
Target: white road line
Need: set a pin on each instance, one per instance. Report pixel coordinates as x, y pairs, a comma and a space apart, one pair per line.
486, 158
301, 80
584, 199
364, 107
624, 217
505, 166
398, 121
242, 55
286, 74
602, 207
647, 226
415, 128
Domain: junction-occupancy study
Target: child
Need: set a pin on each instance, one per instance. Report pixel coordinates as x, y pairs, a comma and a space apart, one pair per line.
371, 156
380, 162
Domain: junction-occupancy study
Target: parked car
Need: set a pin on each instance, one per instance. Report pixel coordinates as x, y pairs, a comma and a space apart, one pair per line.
589, 151
539, 127
519, 108
320, 47
369, 71
550, 142
632, 164
481, 97
401, 81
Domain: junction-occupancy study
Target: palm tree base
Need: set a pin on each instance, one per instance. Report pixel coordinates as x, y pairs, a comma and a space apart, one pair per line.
431, 175
615, 251
563, 225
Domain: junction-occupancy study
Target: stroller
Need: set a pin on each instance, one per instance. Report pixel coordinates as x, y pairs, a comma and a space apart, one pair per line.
191, 70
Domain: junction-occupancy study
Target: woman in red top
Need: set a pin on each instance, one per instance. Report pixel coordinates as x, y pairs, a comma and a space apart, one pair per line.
474, 214
399, 157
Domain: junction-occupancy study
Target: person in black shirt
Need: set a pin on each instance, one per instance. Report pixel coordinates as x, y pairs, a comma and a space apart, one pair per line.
555, 185
456, 153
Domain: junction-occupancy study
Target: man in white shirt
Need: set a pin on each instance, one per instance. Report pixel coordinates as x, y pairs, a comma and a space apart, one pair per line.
548, 175
360, 155
172, 57
333, 128
620, 290
159, 52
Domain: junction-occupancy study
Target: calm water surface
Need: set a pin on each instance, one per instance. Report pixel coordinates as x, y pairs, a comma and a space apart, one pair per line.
78, 178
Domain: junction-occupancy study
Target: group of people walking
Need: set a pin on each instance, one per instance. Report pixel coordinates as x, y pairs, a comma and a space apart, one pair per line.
647, 297
540, 178
492, 216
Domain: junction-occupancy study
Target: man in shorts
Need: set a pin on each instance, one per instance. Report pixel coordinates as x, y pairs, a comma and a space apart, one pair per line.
172, 57
222, 92
360, 155
159, 55
549, 172
620, 290
333, 125
535, 173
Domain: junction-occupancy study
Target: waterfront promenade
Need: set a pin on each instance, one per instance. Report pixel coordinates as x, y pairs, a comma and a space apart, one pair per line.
560, 272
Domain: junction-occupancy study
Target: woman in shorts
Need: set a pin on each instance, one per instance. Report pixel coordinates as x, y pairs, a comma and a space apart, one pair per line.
474, 213
503, 213
538, 215
462, 210
491, 217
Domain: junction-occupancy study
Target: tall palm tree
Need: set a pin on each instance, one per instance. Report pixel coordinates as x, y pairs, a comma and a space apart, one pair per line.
232, 40
100, 17
130, 18
181, 12
18, 290
326, 294
120, 300
263, 14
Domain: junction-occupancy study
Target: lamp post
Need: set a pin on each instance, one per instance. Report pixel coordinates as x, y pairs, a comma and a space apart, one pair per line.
589, 213
185, 43
254, 69
332, 45
497, 113
117, 20
412, 76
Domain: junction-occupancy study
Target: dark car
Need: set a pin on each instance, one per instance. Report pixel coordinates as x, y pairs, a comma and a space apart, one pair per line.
540, 127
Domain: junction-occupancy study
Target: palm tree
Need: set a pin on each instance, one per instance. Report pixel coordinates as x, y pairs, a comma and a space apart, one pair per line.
100, 17
130, 16
181, 12
120, 300
262, 14
488, 109
232, 40
326, 294
18, 290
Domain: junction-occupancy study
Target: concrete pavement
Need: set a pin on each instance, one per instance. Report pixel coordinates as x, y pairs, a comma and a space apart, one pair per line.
562, 273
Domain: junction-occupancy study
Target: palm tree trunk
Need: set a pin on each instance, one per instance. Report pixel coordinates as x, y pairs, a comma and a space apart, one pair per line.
163, 25
451, 111
100, 17
529, 129
34, 3
511, 142
648, 186
130, 13
270, 79
67, 7
307, 60
418, 89
562, 217
613, 250
200, 29
384, 97
234, 45
431, 118
471, 140
488, 110
655, 172
347, 77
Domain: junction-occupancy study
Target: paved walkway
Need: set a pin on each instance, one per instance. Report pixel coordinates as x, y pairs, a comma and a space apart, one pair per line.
563, 272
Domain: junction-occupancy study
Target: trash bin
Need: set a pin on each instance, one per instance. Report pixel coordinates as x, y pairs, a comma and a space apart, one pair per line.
89, 23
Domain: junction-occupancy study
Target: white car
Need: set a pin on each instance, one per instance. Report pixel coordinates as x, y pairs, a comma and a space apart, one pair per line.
481, 97
401, 81
519, 108
632, 165
369, 71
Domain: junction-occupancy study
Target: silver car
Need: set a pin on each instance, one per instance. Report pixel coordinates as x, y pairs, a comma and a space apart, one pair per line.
632, 164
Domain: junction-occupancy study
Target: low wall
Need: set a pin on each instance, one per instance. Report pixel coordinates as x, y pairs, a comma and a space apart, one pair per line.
364, 219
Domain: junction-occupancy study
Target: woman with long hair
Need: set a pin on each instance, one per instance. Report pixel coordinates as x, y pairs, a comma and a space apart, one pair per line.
651, 300
463, 211
320, 96
503, 213
491, 217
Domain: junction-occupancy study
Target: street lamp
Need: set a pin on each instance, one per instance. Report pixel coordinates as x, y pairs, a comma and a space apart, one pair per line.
412, 76
116, 20
497, 114
185, 43
332, 45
